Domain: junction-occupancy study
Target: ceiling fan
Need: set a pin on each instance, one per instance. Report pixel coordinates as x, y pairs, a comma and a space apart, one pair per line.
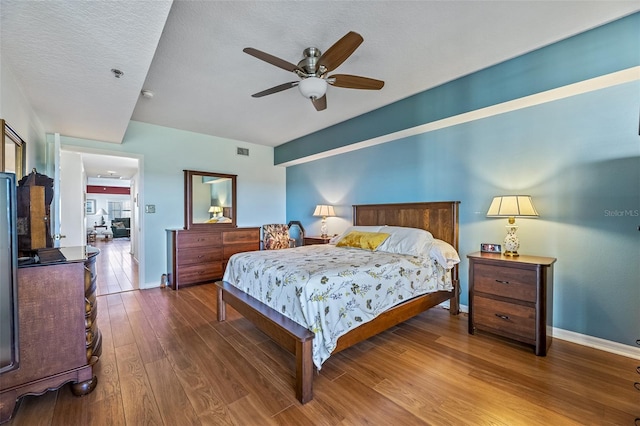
313, 71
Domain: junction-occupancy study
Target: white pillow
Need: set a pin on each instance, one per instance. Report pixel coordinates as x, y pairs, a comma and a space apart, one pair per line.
412, 241
375, 228
444, 254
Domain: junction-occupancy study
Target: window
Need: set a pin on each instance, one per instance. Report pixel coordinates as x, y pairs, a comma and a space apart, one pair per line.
119, 209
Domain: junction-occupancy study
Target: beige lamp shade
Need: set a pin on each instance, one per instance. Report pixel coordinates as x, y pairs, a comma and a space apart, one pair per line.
324, 211
215, 209
512, 206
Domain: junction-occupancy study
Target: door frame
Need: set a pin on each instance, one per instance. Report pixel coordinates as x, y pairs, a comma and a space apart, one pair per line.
138, 200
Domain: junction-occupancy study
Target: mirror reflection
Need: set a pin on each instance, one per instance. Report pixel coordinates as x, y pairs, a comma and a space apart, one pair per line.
210, 199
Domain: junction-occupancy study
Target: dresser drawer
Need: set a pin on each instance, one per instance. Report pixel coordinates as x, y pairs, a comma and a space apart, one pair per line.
231, 249
198, 239
198, 255
503, 317
200, 273
239, 236
503, 281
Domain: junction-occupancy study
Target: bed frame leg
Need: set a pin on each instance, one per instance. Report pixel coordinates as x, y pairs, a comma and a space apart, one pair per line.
222, 307
454, 302
304, 371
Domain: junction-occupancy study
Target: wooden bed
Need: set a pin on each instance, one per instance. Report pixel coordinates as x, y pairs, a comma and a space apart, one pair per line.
439, 218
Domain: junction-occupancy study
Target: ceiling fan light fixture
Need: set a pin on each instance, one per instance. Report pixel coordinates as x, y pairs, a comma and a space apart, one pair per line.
313, 87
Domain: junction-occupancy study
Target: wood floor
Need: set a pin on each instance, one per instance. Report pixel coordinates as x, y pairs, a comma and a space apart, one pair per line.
167, 361
116, 267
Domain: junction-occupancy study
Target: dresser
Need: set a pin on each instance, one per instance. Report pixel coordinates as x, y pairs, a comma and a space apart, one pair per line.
512, 297
196, 256
58, 336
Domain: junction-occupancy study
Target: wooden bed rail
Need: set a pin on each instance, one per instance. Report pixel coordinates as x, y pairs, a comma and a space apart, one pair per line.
290, 335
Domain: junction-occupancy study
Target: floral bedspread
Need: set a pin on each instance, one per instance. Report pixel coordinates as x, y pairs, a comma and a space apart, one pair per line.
332, 290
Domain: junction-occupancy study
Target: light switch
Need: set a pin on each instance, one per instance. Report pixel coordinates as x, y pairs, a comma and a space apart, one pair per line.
150, 208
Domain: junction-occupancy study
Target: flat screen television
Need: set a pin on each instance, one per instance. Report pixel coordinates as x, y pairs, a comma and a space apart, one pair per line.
8, 274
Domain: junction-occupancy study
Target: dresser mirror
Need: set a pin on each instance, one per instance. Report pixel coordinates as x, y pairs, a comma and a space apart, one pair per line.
210, 199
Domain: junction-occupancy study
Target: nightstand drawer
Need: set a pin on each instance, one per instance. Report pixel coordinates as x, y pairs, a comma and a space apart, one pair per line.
308, 241
508, 282
502, 317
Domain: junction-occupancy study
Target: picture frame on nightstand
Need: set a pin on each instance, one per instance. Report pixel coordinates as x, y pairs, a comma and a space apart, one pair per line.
490, 248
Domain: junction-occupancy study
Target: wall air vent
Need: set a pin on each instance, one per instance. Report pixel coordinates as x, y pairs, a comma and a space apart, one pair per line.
243, 151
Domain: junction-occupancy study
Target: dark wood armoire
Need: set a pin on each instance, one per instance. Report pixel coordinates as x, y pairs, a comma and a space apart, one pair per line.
34, 197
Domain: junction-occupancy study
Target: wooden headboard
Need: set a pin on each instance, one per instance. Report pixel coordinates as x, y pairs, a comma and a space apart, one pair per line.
440, 218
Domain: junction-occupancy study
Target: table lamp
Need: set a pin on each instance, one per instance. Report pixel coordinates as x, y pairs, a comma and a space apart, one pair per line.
512, 206
102, 213
324, 211
215, 210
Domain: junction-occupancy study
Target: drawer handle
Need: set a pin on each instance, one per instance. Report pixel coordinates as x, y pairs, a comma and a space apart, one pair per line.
502, 282
504, 317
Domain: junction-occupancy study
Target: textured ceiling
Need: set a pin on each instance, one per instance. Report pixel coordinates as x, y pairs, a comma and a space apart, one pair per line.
203, 81
61, 53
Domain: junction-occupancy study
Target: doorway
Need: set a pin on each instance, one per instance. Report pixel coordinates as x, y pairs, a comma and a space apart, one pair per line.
109, 198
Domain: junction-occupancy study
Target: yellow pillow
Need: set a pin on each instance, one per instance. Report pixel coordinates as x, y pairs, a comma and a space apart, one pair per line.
363, 240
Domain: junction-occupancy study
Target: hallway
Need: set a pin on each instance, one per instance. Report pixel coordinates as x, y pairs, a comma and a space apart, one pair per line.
117, 269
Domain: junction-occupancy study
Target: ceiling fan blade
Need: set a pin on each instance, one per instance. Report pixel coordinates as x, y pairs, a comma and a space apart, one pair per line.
276, 89
273, 60
320, 103
356, 82
340, 51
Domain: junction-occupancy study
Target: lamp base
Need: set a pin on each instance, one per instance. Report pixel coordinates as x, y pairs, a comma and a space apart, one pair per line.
511, 241
323, 229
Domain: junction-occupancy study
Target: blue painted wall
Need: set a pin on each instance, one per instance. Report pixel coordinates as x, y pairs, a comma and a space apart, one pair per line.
578, 157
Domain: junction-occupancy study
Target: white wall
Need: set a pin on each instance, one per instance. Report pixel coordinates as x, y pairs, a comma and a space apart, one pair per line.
16, 110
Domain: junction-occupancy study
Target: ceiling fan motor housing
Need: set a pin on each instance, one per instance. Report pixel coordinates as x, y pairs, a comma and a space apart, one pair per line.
309, 64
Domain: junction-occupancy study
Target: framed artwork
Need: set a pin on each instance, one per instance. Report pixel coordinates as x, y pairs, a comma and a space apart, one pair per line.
90, 207
490, 248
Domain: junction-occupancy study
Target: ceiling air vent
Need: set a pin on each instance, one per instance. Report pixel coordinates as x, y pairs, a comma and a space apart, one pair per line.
243, 151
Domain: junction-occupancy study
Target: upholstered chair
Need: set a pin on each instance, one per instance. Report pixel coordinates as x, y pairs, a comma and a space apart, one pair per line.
276, 236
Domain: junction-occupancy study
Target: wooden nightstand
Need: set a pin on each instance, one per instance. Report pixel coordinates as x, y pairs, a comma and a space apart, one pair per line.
512, 297
316, 240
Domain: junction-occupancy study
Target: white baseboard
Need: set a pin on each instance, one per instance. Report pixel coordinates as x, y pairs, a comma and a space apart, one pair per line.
463, 308
597, 343
147, 286
582, 339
